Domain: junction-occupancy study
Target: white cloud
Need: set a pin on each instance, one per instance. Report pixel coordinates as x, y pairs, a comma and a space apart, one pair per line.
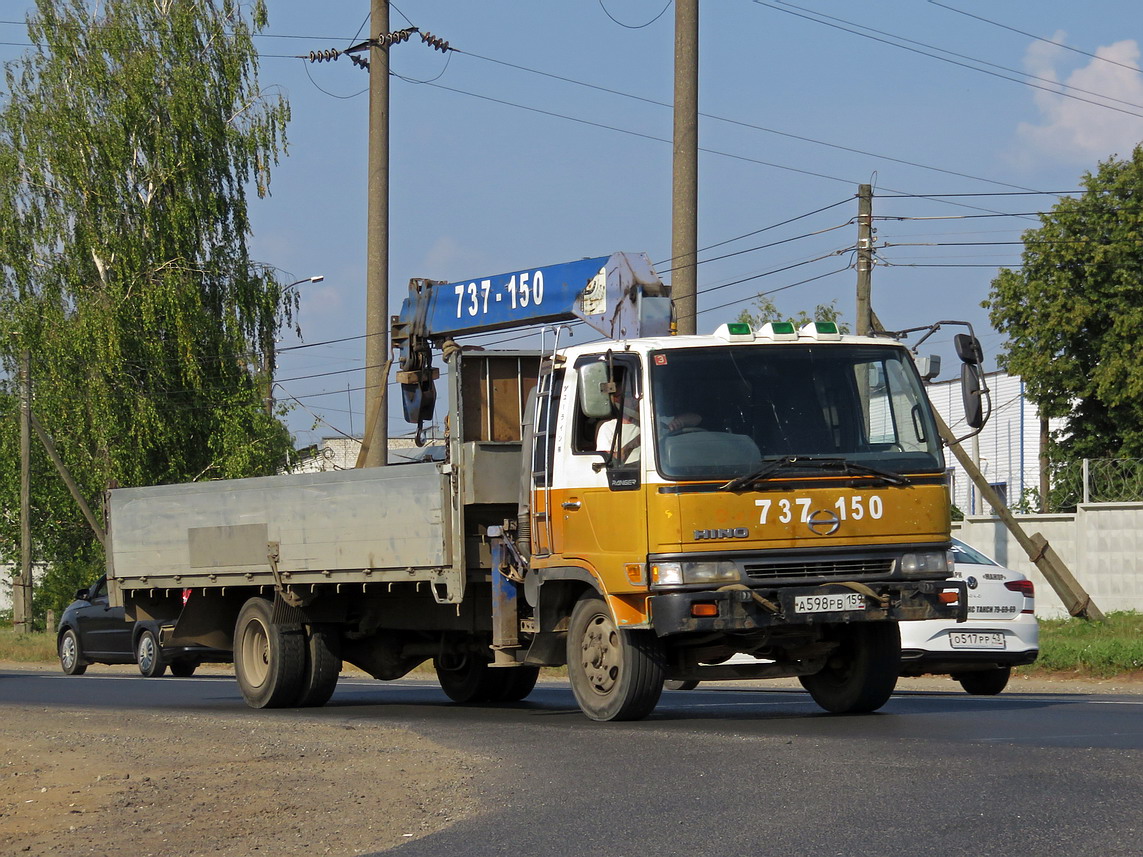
1075, 131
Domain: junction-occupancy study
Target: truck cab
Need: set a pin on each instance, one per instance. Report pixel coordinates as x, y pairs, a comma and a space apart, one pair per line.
776, 492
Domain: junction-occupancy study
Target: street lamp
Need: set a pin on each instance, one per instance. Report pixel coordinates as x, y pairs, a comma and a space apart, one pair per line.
268, 349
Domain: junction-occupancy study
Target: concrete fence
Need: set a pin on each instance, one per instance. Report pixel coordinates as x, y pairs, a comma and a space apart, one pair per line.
1102, 544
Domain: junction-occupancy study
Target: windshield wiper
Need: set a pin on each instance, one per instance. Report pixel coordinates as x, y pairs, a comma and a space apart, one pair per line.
842, 464
761, 473
853, 468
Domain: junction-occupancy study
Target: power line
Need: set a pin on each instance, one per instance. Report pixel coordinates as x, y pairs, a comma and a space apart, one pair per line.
639, 134
1037, 38
1030, 77
635, 26
749, 125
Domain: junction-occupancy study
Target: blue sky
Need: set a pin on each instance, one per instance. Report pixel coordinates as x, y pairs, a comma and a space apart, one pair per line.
543, 139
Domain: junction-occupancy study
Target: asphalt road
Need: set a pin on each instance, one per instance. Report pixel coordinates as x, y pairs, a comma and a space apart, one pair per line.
741, 771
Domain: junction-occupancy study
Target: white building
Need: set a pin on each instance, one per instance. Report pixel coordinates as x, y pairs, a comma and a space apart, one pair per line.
1007, 450
340, 453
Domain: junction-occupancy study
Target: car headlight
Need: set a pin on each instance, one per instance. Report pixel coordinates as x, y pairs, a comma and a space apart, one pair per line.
928, 563
677, 573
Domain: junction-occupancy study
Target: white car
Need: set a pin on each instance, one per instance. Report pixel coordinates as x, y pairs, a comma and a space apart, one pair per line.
1001, 631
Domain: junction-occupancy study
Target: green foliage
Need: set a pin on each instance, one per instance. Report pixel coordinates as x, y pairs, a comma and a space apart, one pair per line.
1092, 648
1073, 314
765, 310
134, 128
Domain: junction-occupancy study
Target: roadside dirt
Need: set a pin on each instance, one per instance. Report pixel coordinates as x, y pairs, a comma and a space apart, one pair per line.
90, 782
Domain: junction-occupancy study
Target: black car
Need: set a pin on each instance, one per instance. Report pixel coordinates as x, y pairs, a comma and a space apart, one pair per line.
91, 631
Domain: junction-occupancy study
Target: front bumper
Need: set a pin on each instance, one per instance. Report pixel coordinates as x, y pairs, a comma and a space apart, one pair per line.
740, 609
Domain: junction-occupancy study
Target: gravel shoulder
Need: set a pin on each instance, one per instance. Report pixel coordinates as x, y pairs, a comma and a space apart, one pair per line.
94, 782
89, 781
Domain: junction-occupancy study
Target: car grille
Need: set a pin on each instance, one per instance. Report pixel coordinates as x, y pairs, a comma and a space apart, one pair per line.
833, 568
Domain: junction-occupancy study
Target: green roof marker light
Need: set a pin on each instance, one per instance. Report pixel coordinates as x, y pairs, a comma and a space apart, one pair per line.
822, 331
735, 331
779, 331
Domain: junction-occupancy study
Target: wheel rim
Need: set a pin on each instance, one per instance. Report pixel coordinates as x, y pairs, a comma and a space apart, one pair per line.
601, 654
255, 653
68, 651
146, 652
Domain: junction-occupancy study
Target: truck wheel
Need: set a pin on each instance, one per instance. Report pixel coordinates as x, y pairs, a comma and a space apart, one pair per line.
615, 674
515, 683
477, 681
183, 668
861, 673
471, 680
269, 662
71, 659
149, 656
323, 666
985, 682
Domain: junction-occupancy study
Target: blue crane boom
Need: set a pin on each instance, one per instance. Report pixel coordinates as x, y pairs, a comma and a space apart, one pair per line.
619, 295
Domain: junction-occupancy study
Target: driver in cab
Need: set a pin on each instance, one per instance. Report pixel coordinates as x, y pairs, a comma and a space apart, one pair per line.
627, 449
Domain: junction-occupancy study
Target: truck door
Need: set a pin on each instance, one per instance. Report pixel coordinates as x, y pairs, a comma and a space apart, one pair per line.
599, 509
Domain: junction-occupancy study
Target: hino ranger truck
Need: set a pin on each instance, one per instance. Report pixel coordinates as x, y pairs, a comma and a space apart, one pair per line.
638, 507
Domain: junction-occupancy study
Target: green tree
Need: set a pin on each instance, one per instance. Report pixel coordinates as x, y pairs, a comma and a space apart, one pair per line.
129, 136
1073, 314
764, 310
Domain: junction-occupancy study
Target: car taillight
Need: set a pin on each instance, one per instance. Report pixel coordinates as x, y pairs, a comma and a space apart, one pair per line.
1025, 586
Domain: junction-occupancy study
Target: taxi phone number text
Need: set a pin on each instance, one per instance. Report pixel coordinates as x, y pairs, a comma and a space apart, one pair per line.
785, 510
523, 290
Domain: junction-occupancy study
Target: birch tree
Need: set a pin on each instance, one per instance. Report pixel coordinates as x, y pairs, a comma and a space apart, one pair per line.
131, 134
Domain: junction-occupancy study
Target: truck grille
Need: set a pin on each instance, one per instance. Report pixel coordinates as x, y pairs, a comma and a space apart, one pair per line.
844, 568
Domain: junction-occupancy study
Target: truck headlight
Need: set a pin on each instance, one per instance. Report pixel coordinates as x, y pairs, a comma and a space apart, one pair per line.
677, 573
925, 564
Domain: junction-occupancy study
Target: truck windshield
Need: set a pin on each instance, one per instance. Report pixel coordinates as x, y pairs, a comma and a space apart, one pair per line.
724, 412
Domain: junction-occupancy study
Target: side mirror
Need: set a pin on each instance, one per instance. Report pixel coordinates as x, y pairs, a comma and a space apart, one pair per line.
81, 594
929, 367
968, 349
970, 391
595, 390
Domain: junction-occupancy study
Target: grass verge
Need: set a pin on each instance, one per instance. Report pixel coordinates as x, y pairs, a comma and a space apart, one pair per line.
36, 647
1091, 649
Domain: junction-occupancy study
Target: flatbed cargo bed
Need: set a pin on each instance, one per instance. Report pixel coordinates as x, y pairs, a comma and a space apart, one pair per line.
342, 527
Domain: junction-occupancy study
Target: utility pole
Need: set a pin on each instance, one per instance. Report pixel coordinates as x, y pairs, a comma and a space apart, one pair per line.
376, 441
684, 219
1039, 551
864, 258
22, 582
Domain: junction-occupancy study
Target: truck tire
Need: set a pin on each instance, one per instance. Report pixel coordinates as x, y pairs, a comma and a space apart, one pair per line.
183, 668
861, 673
515, 683
149, 656
269, 661
323, 666
985, 682
615, 674
71, 658
673, 684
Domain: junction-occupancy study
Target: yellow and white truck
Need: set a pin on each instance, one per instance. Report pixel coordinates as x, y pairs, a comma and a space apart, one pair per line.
639, 508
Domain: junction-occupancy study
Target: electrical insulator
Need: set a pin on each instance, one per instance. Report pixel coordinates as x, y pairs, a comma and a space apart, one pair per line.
435, 42
324, 56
